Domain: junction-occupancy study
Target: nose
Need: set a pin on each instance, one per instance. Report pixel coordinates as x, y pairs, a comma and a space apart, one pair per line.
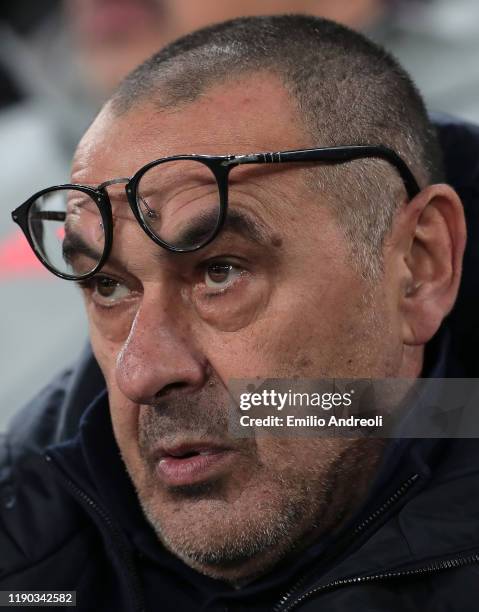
158, 356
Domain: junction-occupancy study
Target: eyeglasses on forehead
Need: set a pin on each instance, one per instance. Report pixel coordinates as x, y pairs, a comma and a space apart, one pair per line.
180, 202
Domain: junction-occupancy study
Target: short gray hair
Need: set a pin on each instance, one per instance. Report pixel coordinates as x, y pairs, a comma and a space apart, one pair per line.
347, 89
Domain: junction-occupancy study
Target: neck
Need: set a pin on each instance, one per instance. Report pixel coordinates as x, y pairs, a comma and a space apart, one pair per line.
412, 362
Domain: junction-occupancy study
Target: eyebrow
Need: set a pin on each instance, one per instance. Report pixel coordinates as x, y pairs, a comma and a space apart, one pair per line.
237, 222
74, 245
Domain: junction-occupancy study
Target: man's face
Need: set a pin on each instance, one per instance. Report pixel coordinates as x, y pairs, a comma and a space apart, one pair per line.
171, 330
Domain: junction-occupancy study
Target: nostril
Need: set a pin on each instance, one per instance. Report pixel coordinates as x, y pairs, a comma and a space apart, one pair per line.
169, 388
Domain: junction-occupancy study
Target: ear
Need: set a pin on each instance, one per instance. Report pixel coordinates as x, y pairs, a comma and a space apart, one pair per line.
433, 239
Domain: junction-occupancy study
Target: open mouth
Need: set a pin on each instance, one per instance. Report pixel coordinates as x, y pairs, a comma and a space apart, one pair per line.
187, 465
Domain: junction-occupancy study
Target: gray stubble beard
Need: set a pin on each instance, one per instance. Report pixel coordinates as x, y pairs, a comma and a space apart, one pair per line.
265, 538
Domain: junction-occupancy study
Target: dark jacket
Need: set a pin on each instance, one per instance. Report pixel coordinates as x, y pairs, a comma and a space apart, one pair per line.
413, 546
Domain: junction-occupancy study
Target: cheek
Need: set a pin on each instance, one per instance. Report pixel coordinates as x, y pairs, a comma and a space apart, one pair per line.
337, 334
124, 413
124, 417
110, 327
106, 345
304, 458
236, 309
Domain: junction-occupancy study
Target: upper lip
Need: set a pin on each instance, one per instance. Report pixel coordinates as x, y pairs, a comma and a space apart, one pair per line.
179, 450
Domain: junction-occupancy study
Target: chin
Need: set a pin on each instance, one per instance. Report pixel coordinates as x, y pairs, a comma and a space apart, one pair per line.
224, 539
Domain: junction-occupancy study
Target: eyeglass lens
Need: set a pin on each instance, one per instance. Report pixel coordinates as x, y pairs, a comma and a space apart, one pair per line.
179, 201
67, 230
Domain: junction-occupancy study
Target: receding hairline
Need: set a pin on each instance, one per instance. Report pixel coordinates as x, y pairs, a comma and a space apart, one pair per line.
160, 96
314, 58
348, 90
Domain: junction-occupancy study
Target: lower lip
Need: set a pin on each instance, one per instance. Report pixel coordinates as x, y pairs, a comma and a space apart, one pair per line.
190, 470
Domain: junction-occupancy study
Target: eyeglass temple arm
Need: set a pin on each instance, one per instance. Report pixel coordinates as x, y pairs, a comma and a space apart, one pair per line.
334, 155
49, 215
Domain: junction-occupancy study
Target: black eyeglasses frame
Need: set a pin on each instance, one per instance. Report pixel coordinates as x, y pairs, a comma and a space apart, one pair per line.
220, 166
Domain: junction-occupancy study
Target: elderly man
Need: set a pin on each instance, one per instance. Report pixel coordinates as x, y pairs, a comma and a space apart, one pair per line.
264, 197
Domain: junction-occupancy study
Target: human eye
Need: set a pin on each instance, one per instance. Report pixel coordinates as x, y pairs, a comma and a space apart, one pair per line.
221, 275
229, 290
105, 291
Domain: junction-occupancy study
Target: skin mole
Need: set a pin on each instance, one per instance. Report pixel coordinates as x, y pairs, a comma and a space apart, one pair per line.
276, 240
305, 362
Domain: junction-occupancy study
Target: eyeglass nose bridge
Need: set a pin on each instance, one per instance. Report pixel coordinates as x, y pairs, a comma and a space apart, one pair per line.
115, 181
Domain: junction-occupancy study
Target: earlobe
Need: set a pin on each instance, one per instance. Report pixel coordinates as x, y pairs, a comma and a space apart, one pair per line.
433, 261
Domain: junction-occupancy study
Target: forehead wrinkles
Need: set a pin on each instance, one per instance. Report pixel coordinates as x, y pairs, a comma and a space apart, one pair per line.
278, 192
